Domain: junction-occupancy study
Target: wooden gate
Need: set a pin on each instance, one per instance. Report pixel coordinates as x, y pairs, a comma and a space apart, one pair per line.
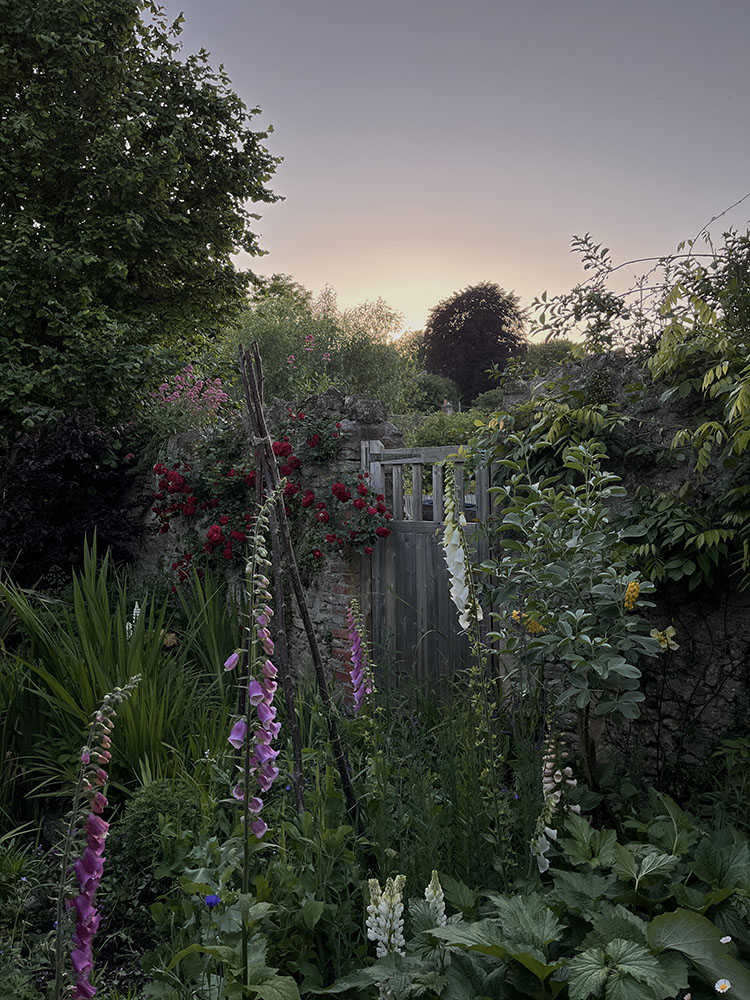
414, 622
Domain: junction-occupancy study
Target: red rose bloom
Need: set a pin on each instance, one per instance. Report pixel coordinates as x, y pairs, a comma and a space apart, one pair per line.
314, 441
372, 510
317, 553
382, 532
359, 503
368, 550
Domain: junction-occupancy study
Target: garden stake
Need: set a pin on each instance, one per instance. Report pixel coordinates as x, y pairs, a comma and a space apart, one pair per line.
251, 370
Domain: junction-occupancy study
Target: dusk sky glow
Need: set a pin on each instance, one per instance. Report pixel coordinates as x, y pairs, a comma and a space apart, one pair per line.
429, 145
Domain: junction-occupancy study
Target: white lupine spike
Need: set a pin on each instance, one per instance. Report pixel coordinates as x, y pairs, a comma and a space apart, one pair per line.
434, 896
385, 921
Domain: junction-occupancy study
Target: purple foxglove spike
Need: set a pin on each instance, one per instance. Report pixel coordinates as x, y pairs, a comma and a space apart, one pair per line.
266, 713
262, 620
239, 792
268, 646
269, 670
274, 728
262, 736
254, 805
263, 634
231, 662
85, 757
255, 693
237, 736
268, 611
259, 828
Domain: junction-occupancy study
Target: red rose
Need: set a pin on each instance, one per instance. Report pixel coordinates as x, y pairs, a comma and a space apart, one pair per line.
362, 489
368, 550
330, 538
380, 496
382, 532
291, 489
250, 478
323, 516
308, 499
223, 519
372, 510
215, 534
294, 462
317, 553
381, 508
238, 536
300, 416
282, 448
227, 553
314, 441
359, 503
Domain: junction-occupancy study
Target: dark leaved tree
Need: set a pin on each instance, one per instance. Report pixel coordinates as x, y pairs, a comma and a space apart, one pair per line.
127, 177
469, 332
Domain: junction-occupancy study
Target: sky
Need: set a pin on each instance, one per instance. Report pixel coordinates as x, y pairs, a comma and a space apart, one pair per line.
429, 145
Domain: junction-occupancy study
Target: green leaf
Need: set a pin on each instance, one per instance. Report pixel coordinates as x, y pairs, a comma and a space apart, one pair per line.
587, 974
625, 864
655, 864
698, 939
278, 988
312, 911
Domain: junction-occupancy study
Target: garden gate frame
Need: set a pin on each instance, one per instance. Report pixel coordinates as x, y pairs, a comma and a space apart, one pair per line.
413, 621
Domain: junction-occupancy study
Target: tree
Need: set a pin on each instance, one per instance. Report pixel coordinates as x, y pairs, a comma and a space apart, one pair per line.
470, 332
125, 179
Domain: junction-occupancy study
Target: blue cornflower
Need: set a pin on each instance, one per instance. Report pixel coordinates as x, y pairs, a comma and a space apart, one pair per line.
212, 901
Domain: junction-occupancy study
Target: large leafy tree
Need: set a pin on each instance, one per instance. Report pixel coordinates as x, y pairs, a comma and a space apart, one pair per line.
470, 332
127, 177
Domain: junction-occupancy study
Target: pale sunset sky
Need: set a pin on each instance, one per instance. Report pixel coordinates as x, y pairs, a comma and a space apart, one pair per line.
429, 145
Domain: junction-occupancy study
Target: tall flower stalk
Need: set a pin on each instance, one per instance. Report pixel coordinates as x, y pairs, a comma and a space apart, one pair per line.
464, 596
361, 672
555, 779
256, 728
85, 820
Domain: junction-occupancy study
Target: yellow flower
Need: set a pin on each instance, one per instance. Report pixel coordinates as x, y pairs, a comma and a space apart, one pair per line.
534, 628
631, 595
665, 638
531, 625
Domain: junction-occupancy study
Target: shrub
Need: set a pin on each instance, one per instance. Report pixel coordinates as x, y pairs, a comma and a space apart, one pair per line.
62, 483
441, 429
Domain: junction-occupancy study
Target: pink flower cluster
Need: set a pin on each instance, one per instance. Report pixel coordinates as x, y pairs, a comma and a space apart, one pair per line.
195, 394
260, 697
360, 672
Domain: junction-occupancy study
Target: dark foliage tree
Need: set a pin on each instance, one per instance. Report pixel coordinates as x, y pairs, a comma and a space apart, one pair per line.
126, 176
469, 332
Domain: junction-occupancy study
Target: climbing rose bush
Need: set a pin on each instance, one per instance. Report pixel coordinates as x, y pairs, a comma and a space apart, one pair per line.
210, 507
